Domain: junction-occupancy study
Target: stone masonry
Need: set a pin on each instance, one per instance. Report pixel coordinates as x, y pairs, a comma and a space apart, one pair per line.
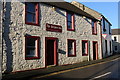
15, 30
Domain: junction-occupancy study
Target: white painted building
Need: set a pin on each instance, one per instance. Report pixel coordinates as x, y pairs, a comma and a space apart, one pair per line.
116, 40
106, 37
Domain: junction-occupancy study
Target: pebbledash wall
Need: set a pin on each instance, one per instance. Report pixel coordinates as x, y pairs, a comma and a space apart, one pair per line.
15, 30
105, 29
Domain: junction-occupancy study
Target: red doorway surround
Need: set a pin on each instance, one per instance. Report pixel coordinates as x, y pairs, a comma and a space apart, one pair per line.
53, 41
95, 50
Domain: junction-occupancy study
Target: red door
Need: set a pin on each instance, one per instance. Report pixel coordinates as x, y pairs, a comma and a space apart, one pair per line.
51, 51
95, 50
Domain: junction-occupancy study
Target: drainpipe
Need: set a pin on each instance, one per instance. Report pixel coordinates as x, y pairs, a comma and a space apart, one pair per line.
101, 38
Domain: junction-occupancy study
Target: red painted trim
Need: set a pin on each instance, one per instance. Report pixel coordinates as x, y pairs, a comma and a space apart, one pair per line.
55, 50
52, 29
85, 54
73, 21
71, 55
37, 15
96, 48
94, 30
100, 18
37, 49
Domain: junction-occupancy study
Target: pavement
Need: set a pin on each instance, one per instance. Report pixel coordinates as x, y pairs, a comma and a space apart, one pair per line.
27, 75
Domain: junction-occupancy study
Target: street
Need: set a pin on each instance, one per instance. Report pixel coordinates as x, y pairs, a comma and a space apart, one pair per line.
104, 70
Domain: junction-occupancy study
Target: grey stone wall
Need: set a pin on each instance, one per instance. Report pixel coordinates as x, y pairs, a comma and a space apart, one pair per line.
15, 30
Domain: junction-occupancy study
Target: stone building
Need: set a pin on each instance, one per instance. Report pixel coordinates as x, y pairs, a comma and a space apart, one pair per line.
106, 39
38, 35
116, 40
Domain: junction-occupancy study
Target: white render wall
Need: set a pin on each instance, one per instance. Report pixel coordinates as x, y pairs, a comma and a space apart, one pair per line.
116, 43
108, 46
15, 30
108, 38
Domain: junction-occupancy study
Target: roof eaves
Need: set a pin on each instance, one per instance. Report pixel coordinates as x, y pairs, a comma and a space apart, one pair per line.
106, 19
70, 7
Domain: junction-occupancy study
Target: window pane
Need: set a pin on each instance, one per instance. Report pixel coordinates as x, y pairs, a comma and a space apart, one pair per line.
92, 24
69, 25
31, 42
115, 39
115, 47
70, 47
31, 47
69, 17
31, 18
31, 7
31, 52
84, 47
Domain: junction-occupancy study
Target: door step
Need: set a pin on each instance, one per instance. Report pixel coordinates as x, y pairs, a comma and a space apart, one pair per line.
50, 66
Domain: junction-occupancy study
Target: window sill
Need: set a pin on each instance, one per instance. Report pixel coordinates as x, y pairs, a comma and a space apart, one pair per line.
94, 33
72, 55
30, 58
70, 29
84, 54
32, 24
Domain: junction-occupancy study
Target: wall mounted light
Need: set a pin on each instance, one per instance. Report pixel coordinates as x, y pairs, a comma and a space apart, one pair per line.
84, 17
54, 8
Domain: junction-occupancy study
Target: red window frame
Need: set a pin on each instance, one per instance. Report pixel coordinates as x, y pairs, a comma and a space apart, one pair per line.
36, 14
94, 27
74, 48
72, 21
86, 45
37, 52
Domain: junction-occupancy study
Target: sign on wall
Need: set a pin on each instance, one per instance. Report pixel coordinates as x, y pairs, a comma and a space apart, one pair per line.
104, 36
53, 28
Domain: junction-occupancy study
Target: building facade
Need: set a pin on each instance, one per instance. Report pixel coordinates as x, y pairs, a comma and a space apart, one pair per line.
106, 37
116, 40
38, 35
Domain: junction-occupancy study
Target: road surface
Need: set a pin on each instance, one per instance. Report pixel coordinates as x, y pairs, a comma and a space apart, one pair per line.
109, 70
